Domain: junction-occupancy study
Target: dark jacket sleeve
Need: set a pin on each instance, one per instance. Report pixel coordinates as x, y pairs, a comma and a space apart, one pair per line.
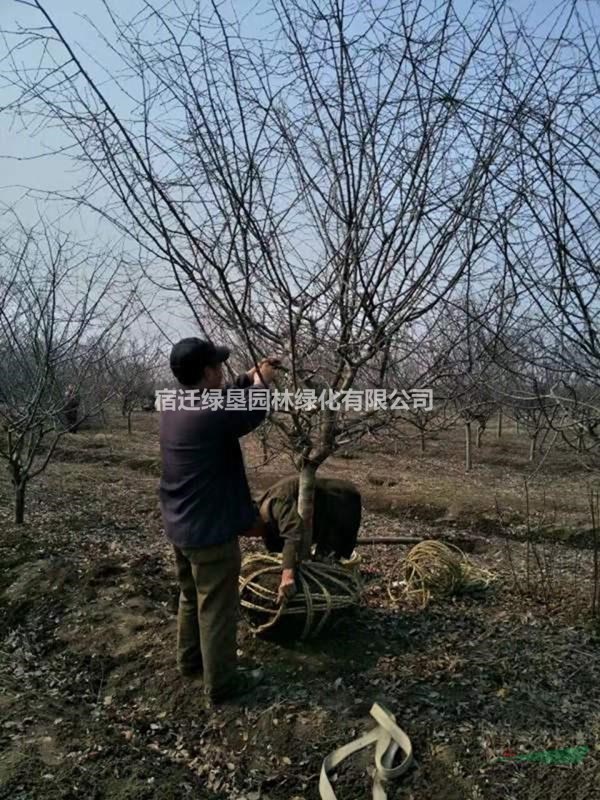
242, 421
242, 381
284, 512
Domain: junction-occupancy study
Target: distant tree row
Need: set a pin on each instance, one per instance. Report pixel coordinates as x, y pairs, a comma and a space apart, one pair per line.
67, 350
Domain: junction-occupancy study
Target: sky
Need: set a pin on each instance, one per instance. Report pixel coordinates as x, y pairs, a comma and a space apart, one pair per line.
21, 168
30, 166
28, 174
23, 163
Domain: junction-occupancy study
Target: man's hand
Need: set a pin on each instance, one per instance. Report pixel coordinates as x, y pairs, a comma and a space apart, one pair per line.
287, 587
266, 370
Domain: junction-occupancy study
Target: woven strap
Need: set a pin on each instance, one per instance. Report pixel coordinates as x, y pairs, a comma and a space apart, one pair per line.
388, 739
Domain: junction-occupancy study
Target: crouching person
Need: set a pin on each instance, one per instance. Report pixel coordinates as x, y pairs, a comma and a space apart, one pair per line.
336, 521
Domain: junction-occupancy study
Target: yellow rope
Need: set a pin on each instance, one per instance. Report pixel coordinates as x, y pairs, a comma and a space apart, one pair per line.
437, 569
323, 589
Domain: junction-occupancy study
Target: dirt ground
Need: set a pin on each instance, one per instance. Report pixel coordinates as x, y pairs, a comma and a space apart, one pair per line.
91, 704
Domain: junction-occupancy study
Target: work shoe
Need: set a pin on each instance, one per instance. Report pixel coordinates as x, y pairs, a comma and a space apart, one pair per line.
190, 671
242, 682
191, 674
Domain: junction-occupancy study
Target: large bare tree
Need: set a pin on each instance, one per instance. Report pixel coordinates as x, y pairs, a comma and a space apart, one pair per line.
315, 187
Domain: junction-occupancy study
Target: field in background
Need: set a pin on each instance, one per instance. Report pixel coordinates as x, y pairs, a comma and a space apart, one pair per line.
398, 480
91, 704
394, 476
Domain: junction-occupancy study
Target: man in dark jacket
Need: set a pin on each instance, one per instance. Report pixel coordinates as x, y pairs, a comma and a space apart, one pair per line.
336, 521
206, 505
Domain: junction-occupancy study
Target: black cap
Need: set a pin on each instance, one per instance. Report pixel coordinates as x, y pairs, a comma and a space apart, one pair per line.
190, 356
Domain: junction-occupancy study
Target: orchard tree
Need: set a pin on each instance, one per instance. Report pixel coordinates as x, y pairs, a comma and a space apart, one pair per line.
318, 189
419, 363
59, 305
132, 369
554, 251
477, 328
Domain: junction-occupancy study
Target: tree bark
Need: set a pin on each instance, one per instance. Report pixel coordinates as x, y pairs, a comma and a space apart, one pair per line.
306, 505
468, 459
532, 447
480, 432
20, 502
594, 508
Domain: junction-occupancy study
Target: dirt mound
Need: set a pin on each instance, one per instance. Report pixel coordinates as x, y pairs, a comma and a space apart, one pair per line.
34, 580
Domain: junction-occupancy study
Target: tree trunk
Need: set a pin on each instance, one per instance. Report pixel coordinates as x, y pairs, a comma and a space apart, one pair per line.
594, 507
129, 421
422, 441
306, 505
499, 424
532, 447
480, 432
20, 502
468, 461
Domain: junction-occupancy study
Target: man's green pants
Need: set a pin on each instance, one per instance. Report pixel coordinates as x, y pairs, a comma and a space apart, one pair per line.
208, 612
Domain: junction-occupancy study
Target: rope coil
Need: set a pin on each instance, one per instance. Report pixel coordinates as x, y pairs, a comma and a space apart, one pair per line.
434, 568
323, 588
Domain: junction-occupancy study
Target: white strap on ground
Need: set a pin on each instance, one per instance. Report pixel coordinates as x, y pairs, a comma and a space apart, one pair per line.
388, 738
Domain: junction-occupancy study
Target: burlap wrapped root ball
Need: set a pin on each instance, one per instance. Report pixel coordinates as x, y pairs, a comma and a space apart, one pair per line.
325, 591
436, 569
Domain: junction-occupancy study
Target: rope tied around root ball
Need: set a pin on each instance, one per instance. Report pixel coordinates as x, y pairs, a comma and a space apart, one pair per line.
437, 569
323, 588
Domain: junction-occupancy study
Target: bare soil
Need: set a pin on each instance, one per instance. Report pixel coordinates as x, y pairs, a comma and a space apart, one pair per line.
91, 704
